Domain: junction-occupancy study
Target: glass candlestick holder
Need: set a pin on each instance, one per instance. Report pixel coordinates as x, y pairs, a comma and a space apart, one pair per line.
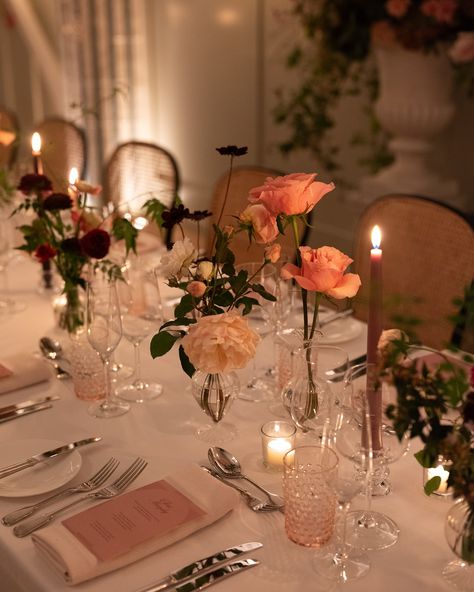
278, 437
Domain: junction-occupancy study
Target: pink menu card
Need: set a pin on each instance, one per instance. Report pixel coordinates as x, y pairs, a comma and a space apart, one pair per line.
115, 527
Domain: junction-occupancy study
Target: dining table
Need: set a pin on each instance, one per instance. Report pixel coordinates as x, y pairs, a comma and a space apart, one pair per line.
162, 432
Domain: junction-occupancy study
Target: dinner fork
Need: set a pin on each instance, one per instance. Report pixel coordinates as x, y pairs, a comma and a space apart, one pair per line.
92, 483
107, 492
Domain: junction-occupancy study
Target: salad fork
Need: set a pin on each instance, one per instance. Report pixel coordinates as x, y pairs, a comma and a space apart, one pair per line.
107, 492
92, 483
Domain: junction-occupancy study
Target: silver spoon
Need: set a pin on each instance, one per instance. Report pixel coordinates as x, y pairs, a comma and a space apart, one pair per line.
229, 466
53, 352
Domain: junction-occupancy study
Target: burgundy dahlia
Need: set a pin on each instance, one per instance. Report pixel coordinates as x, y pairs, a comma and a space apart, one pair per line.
45, 252
232, 150
57, 201
96, 243
32, 183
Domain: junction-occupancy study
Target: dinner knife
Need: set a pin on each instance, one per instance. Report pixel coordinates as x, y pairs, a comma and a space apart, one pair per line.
44, 456
24, 411
25, 404
200, 568
204, 580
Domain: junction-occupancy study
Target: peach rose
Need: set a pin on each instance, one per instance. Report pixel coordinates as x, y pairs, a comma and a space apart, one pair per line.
196, 289
322, 270
293, 194
273, 252
263, 224
205, 269
220, 343
462, 50
385, 346
84, 187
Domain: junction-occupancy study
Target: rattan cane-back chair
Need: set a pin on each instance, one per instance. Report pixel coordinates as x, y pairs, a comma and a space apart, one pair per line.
428, 261
137, 171
243, 179
8, 150
63, 146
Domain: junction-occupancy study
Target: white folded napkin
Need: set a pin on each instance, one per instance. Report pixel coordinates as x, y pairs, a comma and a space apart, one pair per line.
22, 370
76, 563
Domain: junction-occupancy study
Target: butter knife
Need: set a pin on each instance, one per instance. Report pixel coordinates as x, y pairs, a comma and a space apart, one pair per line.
205, 578
24, 411
200, 567
25, 404
44, 456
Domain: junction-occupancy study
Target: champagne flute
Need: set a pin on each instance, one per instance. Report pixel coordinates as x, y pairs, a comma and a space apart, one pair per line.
142, 315
104, 332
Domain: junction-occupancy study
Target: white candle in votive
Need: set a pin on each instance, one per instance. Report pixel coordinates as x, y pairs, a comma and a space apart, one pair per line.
441, 472
276, 450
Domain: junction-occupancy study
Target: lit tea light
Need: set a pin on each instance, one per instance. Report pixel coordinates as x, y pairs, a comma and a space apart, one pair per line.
441, 472
278, 437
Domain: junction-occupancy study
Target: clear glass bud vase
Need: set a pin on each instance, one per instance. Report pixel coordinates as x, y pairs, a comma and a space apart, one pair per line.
459, 528
214, 393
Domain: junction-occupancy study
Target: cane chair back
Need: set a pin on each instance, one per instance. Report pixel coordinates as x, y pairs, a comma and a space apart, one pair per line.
244, 179
428, 262
63, 146
9, 150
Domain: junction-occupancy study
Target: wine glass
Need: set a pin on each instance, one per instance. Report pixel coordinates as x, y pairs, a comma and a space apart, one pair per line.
371, 449
7, 304
339, 561
141, 315
260, 319
104, 332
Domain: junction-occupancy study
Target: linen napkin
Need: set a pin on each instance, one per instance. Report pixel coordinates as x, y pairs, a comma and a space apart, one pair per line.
95, 541
22, 370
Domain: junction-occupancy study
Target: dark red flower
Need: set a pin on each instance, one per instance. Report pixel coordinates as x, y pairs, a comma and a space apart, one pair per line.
45, 252
96, 243
232, 150
174, 215
198, 215
33, 183
57, 201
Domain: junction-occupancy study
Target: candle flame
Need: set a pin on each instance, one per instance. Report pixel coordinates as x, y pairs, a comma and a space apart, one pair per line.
73, 176
376, 237
36, 143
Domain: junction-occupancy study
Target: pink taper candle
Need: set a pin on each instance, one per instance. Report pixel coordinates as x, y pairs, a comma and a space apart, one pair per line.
374, 329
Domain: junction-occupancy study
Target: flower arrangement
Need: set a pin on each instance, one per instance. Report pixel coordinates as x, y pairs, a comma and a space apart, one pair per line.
435, 403
71, 235
218, 297
333, 62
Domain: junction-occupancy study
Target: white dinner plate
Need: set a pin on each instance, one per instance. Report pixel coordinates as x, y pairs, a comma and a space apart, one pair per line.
41, 478
340, 331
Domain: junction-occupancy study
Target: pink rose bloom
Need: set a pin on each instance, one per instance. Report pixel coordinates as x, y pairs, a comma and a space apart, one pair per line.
442, 11
462, 50
263, 224
196, 289
397, 8
322, 270
220, 343
273, 252
293, 194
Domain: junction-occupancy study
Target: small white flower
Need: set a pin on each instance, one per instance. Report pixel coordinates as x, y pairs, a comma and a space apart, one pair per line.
176, 262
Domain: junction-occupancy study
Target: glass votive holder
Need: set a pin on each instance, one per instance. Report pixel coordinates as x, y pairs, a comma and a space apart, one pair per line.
441, 470
278, 437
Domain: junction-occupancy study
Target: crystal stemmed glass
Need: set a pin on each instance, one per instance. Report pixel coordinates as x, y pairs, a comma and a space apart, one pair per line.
7, 304
104, 332
338, 561
258, 389
141, 315
368, 529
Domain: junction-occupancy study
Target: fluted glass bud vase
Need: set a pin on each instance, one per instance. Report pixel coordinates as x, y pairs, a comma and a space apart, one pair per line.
214, 393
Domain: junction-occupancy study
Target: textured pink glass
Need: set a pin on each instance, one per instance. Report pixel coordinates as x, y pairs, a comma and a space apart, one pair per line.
86, 368
310, 502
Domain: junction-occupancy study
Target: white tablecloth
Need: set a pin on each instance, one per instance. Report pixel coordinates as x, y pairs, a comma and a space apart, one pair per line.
163, 432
